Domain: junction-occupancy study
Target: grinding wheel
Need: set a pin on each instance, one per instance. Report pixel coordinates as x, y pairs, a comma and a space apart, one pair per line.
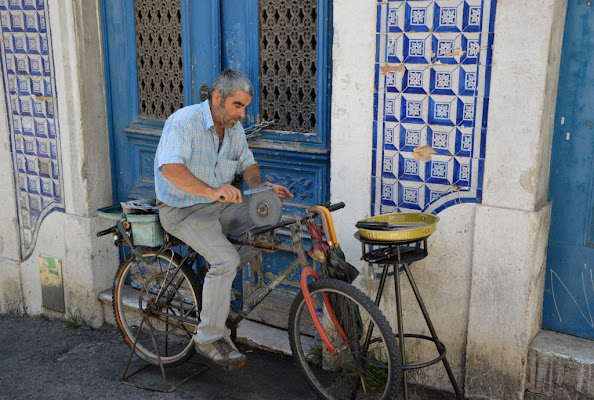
265, 208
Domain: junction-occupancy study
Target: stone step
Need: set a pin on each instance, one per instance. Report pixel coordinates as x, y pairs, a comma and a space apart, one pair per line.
249, 332
560, 367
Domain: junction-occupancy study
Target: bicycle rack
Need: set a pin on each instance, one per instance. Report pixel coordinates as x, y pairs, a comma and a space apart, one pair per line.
168, 389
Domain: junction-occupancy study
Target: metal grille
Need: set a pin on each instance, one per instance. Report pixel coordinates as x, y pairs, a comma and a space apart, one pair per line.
288, 63
159, 54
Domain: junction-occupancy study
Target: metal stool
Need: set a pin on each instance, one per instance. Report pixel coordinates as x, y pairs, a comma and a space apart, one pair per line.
399, 254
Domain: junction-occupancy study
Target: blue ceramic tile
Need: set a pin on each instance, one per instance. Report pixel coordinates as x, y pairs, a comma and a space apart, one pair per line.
446, 48
411, 137
444, 80
410, 169
416, 48
472, 16
416, 81
411, 195
464, 142
391, 133
447, 17
442, 110
390, 164
418, 17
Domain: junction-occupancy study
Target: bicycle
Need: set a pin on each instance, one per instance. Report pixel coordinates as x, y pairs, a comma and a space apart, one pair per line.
342, 342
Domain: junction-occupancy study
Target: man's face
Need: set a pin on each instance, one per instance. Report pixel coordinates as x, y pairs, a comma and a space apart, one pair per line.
228, 112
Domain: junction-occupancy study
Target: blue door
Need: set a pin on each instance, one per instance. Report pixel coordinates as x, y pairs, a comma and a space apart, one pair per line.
569, 287
159, 53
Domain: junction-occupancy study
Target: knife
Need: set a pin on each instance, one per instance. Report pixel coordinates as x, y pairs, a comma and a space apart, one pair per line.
252, 191
257, 190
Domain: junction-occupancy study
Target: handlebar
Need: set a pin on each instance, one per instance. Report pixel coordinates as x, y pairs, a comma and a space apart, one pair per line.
107, 231
334, 207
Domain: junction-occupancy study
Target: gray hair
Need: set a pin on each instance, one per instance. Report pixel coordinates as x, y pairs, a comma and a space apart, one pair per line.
230, 80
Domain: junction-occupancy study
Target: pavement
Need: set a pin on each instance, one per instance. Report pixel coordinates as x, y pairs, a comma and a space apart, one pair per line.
43, 358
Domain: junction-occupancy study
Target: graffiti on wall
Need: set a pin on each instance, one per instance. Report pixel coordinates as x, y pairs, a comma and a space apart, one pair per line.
31, 105
432, 74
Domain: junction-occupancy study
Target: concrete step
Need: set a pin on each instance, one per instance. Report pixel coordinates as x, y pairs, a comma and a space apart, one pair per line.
560, 367
249, 332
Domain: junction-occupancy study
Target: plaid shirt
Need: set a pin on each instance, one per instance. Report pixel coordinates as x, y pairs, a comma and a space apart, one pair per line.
189, 138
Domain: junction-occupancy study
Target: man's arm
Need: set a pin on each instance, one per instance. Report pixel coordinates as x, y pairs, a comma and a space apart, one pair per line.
184, 180
253, 177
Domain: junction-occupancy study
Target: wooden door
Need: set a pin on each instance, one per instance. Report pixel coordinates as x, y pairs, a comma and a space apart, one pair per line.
569, 287
159, 52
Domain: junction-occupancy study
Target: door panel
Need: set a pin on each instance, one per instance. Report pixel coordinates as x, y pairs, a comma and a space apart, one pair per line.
569, 285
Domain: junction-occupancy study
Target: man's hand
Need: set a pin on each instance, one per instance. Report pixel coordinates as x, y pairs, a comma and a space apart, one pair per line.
253, 177
226, 194
282, 192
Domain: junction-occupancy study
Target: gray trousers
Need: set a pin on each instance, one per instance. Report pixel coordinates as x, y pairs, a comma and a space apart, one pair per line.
203, 227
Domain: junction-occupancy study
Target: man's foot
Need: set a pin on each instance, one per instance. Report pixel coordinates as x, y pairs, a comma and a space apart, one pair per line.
222, 352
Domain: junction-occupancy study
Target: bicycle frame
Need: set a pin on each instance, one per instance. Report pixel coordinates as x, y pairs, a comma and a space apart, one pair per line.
258, 238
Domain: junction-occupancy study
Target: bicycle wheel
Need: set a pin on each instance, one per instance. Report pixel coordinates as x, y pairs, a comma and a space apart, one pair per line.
153, 298
367, 363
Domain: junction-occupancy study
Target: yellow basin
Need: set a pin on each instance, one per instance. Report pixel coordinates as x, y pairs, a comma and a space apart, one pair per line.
421, 226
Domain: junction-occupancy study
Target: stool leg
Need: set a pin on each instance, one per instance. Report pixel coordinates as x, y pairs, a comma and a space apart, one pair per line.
380, 289
440, 348
400, 329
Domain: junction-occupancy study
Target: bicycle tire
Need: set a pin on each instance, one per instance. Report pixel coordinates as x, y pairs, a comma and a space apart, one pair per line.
353, 372
138, 296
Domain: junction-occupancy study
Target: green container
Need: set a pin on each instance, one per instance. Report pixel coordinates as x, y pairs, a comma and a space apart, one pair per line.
146, 229
114, 213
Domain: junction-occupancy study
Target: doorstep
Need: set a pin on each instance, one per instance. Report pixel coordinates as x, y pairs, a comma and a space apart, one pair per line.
560, 366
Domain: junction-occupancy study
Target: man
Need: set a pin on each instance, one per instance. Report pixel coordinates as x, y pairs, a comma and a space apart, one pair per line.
201, 149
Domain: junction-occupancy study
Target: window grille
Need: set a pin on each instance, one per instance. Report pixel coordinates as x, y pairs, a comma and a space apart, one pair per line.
288, 64
159, 57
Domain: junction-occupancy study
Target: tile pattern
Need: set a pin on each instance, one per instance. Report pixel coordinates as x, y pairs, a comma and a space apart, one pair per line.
30, 91
432, 75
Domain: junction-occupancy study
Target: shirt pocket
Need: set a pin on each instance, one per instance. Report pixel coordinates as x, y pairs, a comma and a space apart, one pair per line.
226, 170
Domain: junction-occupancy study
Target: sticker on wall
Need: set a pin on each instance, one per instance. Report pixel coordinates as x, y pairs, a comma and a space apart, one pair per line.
432, 76
31, 105
52, 287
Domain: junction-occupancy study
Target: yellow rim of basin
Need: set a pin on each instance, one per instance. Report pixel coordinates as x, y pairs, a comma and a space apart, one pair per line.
422, 226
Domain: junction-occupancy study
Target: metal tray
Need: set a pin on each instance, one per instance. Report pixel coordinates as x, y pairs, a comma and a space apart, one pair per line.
421, 226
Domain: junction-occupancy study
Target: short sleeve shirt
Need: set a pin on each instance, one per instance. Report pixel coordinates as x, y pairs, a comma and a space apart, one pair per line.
189, 138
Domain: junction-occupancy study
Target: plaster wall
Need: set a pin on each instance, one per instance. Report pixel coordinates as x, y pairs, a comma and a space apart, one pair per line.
11, 288
511, 228
88, 263
353, 54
